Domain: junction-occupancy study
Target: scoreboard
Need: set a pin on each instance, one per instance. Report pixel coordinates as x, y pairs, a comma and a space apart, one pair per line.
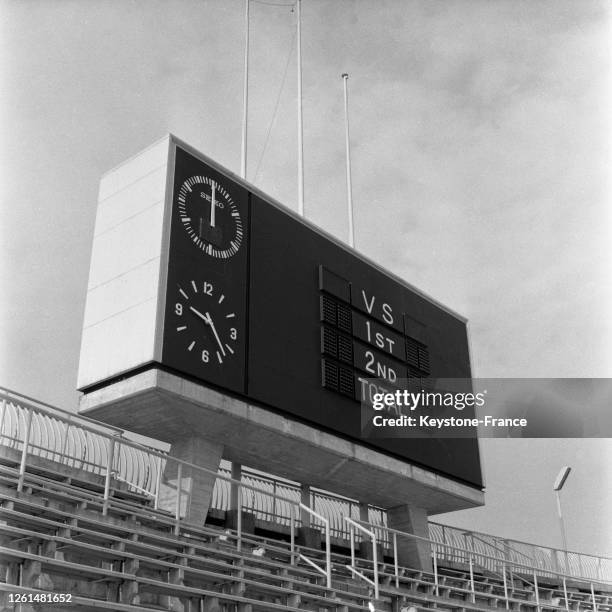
196, 272
361, 338
264, 305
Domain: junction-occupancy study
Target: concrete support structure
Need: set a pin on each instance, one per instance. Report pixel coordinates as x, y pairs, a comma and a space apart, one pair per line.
196, 486
307, 534
167, 407
411, 519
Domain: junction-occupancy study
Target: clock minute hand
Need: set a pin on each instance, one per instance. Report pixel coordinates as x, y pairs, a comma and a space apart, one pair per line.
208, 320
199, 314
213, 204
212, 326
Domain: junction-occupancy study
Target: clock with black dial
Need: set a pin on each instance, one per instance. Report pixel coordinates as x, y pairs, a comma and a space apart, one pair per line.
205, 323
210, 216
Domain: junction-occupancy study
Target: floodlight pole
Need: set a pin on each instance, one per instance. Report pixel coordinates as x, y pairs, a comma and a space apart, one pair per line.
245, 99
563, 534
559, 482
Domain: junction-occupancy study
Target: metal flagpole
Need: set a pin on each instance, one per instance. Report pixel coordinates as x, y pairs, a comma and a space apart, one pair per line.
300, 127
245, 101
349, 188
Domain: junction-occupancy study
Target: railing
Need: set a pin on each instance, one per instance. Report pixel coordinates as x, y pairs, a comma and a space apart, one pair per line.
514, 552
370, 533
528, 573
327, 572
267, 499
75, 442
36, 429
267, 508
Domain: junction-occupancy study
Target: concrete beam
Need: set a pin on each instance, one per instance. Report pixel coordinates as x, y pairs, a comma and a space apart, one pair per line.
168, 407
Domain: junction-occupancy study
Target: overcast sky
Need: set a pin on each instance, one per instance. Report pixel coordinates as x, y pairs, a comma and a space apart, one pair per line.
480, 134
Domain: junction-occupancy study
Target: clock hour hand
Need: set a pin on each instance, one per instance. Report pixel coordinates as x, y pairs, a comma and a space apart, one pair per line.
199, 314
212, 326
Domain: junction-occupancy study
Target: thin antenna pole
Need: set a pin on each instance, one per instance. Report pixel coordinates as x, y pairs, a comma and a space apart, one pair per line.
245, 101
300, 126
349, 188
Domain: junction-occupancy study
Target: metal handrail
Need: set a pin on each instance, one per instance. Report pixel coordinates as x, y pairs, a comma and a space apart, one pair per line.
84, 425
83, 443
471, 553
511, 541
356, 525
498, 548
140, 489
116, 437
44, 407
331, 506
327, 571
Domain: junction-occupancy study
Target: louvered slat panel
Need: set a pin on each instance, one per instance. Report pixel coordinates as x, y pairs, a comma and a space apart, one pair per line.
412, 352
345, 349
329, 342
344, 319
414, 378
330, 375
328, 310
347, 382
423, 359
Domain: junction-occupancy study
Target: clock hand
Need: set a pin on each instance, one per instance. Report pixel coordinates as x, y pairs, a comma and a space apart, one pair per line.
208, 320
213, 204
212, 326
199, 314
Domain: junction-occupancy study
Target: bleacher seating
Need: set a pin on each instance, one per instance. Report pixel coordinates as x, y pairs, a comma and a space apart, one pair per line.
58, 535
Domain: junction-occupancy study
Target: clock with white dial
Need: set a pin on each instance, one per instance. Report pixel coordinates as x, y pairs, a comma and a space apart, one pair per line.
205, 323
210, 216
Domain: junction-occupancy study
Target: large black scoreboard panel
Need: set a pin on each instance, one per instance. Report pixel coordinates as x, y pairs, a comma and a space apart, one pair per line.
306, 290
262, 304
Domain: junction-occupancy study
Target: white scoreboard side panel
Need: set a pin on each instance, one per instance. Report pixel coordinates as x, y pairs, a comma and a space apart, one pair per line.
121, 310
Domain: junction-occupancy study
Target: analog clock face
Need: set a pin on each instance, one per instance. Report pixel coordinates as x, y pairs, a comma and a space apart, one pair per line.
210, 216
205, 323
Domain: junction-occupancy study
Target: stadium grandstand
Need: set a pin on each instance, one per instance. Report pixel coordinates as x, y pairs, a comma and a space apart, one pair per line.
225, 454
90, 520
